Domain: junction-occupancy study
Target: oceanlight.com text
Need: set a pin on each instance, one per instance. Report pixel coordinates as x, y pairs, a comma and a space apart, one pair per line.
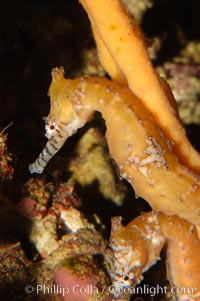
112, 289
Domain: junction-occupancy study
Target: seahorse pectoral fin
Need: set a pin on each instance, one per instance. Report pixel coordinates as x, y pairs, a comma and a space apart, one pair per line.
52, 147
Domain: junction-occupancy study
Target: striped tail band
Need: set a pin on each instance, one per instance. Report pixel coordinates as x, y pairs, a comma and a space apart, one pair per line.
52, 147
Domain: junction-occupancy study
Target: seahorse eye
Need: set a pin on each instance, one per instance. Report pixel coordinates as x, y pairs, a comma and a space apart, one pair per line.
52, 127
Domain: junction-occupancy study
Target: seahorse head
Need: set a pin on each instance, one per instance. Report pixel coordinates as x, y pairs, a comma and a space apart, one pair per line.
66, 107
128, 260
64, 118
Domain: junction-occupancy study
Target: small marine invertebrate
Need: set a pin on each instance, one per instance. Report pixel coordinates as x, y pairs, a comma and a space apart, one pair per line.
138, 245
138, 146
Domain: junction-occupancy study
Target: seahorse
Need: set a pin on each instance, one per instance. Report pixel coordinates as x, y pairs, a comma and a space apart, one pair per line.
142, 153
137, 247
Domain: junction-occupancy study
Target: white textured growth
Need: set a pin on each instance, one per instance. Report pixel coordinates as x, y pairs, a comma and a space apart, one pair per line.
154, 154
